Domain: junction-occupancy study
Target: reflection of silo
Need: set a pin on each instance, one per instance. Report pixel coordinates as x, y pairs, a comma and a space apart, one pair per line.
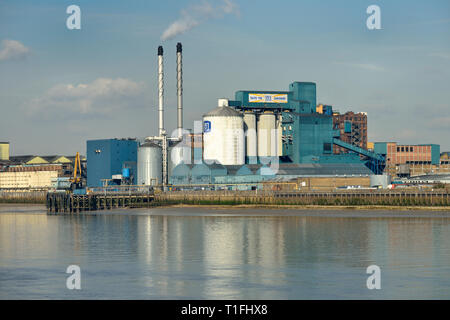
251, 141
223, 136
149, 164
267, 140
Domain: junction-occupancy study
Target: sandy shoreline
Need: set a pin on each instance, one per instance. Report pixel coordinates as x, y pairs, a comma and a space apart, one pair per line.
309, 207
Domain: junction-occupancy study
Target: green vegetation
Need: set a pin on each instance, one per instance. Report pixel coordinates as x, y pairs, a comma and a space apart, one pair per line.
23, 200
351, 201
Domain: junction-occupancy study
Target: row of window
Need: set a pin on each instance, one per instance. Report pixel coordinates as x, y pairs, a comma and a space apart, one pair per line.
405, 149
418, 162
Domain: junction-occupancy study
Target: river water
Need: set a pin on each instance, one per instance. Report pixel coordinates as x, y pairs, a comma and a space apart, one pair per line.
203, 253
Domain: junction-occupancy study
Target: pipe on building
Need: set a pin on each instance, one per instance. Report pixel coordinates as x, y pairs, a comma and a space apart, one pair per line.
180, 90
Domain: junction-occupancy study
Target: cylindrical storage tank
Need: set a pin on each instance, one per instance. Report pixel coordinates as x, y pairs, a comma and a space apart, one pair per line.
279, 135
180, 152
126, 172
380, 181
267, 137
149, 166
223, 136
251, 141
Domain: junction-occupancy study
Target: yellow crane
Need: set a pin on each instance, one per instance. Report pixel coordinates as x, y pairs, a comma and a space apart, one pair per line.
76, 179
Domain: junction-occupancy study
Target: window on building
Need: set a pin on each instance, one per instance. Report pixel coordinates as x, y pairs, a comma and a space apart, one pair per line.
403, 149
407, 149
411, 149
327, 147
398, 149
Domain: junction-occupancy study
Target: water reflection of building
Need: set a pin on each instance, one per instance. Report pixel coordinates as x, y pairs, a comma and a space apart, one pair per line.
25, 235
410, 239
239, 250
170, 248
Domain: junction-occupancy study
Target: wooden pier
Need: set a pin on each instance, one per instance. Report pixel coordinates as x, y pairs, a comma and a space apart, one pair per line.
72, 203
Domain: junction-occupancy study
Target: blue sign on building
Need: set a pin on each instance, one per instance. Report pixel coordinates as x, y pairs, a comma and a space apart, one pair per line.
206, 126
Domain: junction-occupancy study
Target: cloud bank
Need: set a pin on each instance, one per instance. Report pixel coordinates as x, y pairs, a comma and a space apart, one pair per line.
364, 66
13, 50
103, 96
195, 15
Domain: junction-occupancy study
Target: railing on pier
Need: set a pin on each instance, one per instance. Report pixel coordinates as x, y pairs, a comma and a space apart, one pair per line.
132, 189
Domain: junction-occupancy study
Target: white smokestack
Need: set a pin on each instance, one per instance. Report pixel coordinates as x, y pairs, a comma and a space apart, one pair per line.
180, 89
161, 90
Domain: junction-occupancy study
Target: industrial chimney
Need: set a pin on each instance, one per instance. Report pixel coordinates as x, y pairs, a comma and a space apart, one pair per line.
161, 90
180, 90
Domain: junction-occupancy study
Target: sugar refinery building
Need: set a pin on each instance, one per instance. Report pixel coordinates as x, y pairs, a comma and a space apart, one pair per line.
253, 137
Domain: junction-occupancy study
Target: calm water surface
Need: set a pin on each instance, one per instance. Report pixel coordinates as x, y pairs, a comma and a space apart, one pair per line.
198, 253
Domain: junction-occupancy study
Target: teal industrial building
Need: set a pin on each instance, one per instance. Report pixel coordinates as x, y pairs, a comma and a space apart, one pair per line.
257, 136
306, 138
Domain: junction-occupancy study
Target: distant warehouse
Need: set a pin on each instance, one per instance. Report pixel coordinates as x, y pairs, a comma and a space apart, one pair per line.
30, 172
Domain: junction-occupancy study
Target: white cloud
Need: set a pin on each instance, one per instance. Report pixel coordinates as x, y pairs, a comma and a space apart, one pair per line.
103, 97
442, 55
439, 123
195, 15
12, 49
365, 66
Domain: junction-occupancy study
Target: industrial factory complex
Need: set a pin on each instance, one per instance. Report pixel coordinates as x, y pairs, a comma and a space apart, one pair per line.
248, 142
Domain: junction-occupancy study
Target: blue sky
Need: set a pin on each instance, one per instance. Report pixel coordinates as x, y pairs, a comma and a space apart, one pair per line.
64, 87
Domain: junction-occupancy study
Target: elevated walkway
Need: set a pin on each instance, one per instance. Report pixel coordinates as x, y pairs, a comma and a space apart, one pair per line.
376, 162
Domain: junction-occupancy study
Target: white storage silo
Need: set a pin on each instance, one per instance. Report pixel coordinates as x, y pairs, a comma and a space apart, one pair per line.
267, 137
251, 141
279, 135
149, 164
180, 152
223, 136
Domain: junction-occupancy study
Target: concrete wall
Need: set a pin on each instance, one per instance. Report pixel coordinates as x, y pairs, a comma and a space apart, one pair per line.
331, 183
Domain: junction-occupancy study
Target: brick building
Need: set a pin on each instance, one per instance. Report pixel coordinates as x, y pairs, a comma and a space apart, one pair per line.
353, 129
409, 160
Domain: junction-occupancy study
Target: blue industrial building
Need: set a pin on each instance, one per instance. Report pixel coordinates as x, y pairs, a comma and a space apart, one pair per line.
108, 157
308, 136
